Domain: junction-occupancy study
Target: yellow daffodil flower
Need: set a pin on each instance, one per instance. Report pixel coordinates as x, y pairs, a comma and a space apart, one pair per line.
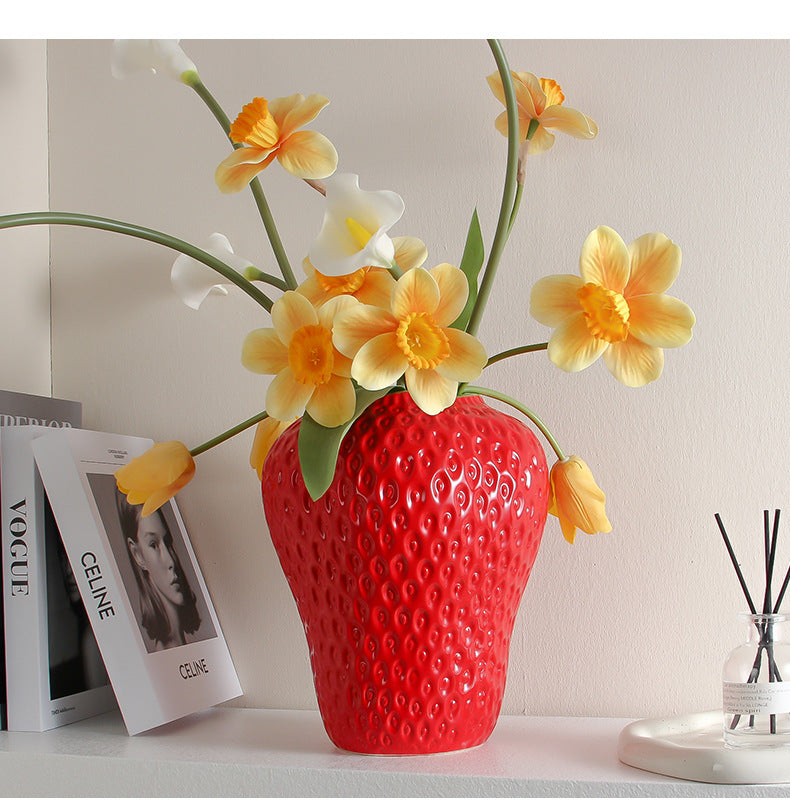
151, 55
413, 337
268, 129
309, 373
541, 100
576, 500
371, 285
266, 434
194, 281
354, 231
156, 476
617, 307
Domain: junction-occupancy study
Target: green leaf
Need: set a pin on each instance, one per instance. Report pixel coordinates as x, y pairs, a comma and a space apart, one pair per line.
471, 264
319, 446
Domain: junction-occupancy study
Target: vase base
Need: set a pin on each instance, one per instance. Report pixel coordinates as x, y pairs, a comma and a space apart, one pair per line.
395, 754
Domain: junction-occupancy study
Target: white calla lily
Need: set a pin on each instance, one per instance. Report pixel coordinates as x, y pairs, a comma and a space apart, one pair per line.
194, 281
354, 231
154, 55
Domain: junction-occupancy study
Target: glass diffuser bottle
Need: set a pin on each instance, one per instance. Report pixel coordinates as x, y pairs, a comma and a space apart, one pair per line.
756, 685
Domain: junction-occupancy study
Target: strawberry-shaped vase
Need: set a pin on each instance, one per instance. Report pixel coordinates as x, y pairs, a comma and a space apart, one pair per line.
408, 572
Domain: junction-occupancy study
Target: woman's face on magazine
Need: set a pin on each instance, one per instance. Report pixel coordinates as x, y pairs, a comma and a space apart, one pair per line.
157, 557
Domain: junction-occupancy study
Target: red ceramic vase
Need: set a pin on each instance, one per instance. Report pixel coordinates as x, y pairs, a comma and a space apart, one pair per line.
408, 572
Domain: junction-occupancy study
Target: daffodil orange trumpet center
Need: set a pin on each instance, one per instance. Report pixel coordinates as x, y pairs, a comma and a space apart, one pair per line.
422, 341
343, 284
606, 312
255, 126
554, 93
311, 355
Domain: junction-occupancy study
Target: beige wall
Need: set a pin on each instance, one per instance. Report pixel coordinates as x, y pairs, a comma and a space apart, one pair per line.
693, 142
24, 253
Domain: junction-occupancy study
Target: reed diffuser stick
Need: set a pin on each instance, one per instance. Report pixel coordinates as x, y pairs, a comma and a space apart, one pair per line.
735, 564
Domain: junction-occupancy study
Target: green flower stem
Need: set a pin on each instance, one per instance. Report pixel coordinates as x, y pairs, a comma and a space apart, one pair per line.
500, 396
508, 195
220, 438
124, 228
255, 187
253, 273
271, 232
516, 351
395, 270
211, 102
533, 127
516, 205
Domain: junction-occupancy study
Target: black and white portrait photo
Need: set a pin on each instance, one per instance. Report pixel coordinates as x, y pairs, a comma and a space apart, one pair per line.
155, 569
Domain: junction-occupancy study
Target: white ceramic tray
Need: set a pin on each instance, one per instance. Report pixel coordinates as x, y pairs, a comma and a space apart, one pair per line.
692, 747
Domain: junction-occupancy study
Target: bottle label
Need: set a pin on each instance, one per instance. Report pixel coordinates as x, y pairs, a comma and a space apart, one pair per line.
771, 698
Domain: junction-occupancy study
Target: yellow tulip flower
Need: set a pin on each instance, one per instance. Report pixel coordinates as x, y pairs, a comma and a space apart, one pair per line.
617, 307
541, 100
310, 374
267, 130
266, 434
156, 476
413, 337
576, 500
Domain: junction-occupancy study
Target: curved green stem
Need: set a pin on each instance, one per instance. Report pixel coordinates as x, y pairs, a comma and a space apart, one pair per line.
220, 438
253, 273
271, 232
124, 228
255, 187
522, 156
516, 205
216, 110
508, 195
500, 396
517, 351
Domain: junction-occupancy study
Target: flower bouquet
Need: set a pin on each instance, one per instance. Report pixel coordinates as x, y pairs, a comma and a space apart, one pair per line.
405, 511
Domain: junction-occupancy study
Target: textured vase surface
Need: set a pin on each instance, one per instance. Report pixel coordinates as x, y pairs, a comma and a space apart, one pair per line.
408, 572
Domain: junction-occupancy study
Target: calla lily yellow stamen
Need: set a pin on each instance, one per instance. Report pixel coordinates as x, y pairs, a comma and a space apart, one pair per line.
358, 233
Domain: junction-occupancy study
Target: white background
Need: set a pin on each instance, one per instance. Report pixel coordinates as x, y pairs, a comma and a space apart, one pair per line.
693, 142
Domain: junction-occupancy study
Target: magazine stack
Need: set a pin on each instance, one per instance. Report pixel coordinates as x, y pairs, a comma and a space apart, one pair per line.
100, 606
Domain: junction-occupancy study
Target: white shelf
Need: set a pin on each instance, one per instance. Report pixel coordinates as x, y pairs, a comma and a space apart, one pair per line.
258, 752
